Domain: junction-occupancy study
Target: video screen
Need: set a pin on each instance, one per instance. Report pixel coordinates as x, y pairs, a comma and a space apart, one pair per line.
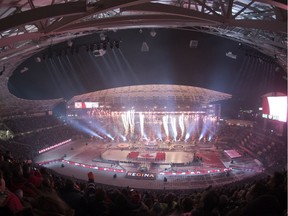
86, 105
275, 108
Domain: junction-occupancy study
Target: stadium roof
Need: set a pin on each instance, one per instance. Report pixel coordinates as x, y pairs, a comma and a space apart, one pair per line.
152, 92
29, 26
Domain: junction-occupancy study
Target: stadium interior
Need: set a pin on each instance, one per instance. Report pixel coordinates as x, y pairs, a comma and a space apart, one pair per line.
134, 107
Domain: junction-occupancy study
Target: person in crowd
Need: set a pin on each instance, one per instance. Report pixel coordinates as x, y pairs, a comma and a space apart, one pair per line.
10, 204
90, 191
169, 204
8, 156
186, 206
5, 166
135, 204
208, 204
96, 205
47, 185
33, 176
94, 198
277, 186
72, 196
50, 205
19, 182
117, 203
264, 205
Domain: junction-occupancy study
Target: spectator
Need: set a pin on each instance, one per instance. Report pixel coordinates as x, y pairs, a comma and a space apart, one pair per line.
33, 176
208, 204
50, 205
19, 182
169, 204
5, 166
72, 196
9, 202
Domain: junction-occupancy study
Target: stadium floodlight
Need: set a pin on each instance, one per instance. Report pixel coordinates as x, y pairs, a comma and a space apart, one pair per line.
102, 36
144, 47
153, 33
24, 69
231, 55
69, 43
193, 44
38, 59
99, 52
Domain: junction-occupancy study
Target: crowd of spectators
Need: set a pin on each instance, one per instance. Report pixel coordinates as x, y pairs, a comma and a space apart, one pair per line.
27, 124
267, 148
29, 190
32, 134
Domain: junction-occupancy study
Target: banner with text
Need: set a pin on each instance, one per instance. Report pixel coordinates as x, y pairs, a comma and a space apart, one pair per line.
141, 175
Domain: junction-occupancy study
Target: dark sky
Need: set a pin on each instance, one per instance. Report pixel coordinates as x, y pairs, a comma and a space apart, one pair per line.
170, 60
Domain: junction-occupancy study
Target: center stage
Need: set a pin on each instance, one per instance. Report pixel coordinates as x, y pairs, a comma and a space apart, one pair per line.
161, 157
199, 157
